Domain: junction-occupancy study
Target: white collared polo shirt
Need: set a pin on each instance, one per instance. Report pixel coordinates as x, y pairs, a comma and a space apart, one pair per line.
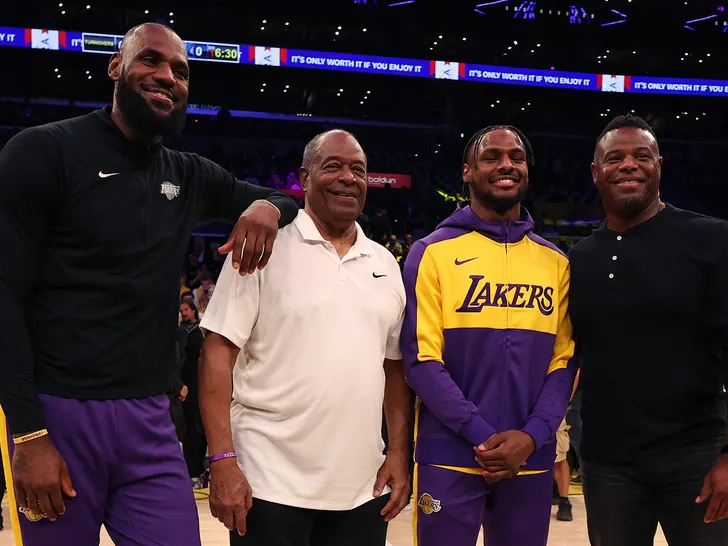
308, 385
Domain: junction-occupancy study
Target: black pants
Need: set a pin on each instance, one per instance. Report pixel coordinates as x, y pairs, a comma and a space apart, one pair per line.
625, 503
194, 445
271, 524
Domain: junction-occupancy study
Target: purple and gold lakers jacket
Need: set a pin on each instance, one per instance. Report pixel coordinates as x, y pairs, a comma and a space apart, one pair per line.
487, 338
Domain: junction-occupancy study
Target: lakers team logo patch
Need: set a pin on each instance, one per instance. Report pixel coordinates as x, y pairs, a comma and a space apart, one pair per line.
169, 190
30, 515
428, 504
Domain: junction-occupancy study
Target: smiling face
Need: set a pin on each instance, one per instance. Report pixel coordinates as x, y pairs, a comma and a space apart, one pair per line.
335, 179
152, 80
497, 174
626, 170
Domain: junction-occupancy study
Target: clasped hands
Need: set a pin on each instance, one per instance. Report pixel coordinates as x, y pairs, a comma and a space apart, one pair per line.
503, 454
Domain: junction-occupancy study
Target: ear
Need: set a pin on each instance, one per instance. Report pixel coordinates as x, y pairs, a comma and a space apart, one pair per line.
594, 173
304, 177
467, 175
114, 69
659, 167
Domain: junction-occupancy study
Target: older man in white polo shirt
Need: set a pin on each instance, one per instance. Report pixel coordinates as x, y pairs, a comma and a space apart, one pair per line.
309, 349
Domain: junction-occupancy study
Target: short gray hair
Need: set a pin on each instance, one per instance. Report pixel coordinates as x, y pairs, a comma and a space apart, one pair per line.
309, 152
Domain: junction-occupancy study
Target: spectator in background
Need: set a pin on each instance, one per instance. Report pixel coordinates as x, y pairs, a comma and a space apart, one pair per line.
188, 311
380, 227
189, 295
204, 292
292, 181
178, 391
394, 247
562, 470
275, 182
194, 443
408, 242
183, 288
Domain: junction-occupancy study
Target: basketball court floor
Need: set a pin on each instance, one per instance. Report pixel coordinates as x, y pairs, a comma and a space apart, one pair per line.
572, 533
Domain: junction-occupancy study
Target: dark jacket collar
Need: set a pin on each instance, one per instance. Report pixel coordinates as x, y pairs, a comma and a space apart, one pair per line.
135, 149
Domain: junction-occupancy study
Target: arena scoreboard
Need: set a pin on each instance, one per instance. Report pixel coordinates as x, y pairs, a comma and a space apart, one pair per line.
206, 51
100, 43
266, 55
198, 51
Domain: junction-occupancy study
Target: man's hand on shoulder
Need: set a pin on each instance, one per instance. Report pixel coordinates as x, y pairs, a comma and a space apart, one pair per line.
252, 238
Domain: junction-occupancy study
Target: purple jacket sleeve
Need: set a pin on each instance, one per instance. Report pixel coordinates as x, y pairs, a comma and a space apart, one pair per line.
553, 401
422, 348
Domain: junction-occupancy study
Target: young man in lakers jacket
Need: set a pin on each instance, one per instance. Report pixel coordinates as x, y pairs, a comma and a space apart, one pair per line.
486, 343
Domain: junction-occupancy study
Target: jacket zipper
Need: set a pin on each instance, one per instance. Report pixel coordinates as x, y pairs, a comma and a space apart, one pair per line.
508, 310
506, 344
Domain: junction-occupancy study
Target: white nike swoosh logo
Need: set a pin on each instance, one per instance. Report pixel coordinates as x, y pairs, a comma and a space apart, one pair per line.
106, 175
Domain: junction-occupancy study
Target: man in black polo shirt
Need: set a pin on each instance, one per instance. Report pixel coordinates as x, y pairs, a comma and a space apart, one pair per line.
649, 303
95, 217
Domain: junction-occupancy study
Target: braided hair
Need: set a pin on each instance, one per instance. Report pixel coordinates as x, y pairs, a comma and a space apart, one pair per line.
474, 143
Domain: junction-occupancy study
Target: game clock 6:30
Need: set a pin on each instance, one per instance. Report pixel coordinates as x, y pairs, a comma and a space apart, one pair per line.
224, 53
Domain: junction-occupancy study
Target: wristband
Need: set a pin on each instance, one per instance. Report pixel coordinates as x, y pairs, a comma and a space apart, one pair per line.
29, 437
220, 456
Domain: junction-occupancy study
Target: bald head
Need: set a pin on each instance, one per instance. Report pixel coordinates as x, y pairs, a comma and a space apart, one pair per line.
314, 145
137, 36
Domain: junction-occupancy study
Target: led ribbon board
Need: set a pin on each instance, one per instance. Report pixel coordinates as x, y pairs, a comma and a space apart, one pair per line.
87, 42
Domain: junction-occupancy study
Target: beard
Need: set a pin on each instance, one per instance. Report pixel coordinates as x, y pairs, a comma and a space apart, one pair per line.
501, 205
141, 117
629, 206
